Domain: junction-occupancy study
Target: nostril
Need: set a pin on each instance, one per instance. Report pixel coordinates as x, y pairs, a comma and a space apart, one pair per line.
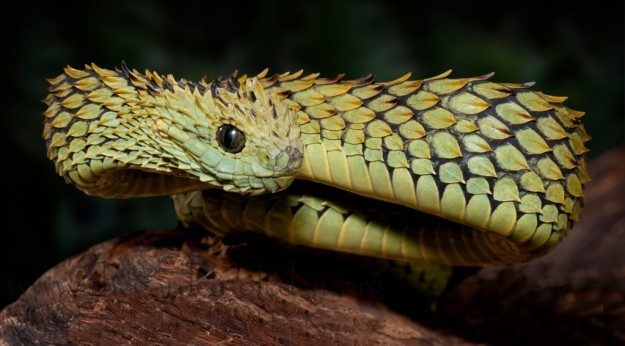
264, 159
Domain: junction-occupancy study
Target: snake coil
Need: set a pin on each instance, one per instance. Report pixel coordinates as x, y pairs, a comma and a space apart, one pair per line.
450, 171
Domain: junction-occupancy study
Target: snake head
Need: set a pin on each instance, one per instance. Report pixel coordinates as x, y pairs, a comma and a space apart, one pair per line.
235, 136
125, 134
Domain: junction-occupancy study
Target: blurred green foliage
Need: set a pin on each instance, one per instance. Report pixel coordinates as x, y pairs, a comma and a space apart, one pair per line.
568, 50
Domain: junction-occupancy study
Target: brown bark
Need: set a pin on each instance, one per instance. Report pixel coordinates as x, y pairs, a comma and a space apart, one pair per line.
188, 287
185, 287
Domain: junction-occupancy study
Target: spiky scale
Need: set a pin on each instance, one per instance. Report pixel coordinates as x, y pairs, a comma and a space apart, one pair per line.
367, 92
446, 85
465, 126
533, 102
530, 204
478, 186
397, 159
422, 100
405, 88
510, 158
422, 167
382, 103
438, 118
393, 142
491, 90
564, 157
574, 186
513, 113
398, 115
345, 102
450, 173
333, 123
476, 144
549, 214
530, 181
373, 143
309, 98
555, 193
61, 120
412, 130
445, 145
482, 166
329, 90
297, 85
549, 169
531, 142
378, 128
493, 128
78, 129
359, 115
352, 136
467, 103
551, 129
506, 190
419, 148
374, 155
566, 118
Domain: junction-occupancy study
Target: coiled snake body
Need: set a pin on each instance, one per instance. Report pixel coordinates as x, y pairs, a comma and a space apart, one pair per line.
448, 171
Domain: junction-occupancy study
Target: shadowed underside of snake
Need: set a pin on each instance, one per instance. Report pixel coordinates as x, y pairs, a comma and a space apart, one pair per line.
447, 171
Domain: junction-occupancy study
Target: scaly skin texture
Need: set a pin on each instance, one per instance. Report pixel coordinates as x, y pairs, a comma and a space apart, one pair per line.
442, 171
122, 134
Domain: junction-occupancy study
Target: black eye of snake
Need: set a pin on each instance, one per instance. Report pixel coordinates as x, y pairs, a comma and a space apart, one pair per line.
230, 138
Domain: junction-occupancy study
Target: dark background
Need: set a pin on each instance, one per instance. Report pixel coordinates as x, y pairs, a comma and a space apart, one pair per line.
567, 50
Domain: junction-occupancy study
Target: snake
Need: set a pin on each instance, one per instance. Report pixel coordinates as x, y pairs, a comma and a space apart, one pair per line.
438, 171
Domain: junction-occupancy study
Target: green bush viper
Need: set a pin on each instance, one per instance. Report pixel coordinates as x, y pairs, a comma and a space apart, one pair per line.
436, 171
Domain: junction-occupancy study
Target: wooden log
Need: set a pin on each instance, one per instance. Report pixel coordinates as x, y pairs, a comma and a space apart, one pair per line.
184, 287
189, 287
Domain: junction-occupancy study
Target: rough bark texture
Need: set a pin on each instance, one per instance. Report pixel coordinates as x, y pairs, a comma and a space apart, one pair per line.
189, 288
186, 288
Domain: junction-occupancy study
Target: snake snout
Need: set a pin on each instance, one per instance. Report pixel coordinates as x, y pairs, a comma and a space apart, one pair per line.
285, 164
295, 158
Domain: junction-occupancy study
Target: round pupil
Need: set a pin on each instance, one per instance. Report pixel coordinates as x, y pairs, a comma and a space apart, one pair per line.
230, 138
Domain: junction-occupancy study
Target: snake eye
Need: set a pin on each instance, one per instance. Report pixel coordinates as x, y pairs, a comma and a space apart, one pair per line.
230, 138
